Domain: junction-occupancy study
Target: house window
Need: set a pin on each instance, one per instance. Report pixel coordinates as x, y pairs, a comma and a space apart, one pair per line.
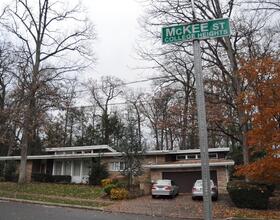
67, 167
86, 167
191, 156
59, 153
180, 157
213, 156
58, 168
117, 166
87, 152
77, 167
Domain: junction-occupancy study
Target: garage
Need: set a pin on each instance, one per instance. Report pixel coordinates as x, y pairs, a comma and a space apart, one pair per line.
185, 180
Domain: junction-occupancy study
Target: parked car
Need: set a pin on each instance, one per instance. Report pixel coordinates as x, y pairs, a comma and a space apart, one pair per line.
197, 191
164, 188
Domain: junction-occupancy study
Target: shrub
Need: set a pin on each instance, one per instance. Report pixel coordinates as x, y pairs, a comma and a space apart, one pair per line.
10, 171
119, 194
106, 182
61, 179
121, 184
248, 195
107, 189
98, 172
42, 177
2, 179
2, 164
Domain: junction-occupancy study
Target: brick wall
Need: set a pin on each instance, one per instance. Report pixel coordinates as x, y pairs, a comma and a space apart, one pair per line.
222, 179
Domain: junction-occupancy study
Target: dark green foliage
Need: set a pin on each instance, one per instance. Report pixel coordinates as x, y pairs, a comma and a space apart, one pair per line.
98, 172
61, 179
249, 195
47, 178
107, 189
2, 168
41, 177
10, 171
236, 155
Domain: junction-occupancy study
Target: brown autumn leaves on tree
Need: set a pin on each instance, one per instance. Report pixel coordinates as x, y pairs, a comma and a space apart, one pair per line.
261, 102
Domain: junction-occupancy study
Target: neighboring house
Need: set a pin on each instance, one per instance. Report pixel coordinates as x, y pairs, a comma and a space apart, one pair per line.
182, 166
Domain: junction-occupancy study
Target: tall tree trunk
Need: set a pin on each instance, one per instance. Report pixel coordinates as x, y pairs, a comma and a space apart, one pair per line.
237, 89
24, 148
66, 126
183, 144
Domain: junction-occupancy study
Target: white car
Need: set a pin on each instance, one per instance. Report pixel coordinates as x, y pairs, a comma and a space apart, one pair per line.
164, 188
197, 190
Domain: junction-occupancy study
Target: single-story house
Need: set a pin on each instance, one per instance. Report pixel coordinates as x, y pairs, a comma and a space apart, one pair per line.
182, 166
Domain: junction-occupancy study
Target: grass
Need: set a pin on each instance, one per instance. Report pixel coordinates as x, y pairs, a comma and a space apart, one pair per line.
71, 194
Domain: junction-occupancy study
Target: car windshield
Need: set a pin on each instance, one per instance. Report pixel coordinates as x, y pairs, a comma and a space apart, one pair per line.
164, 182
198, 183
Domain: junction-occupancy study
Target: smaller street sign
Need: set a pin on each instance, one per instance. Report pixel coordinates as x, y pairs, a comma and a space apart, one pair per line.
196, 31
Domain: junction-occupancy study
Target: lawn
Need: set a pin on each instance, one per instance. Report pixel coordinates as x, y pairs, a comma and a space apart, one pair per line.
56, 193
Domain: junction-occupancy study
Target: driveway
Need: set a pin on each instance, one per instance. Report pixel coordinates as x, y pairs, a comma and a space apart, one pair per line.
180, 207
183, 207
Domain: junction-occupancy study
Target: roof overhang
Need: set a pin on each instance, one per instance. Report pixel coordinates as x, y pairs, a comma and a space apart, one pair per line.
64, 156
113, 153
80, 148
188, 151
189, 165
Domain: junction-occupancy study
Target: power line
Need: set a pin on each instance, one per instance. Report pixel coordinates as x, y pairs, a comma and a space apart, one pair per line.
133, 82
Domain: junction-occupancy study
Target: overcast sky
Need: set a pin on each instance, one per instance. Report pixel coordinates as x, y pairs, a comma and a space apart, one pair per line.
117, 29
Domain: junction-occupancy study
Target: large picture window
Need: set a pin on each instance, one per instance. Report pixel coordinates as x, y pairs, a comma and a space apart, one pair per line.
77, 167
58, 168
86, 167
67, 167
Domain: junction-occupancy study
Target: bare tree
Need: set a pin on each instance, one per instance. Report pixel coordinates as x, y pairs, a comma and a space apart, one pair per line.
220, 58
102, 94
269, 5
47, 51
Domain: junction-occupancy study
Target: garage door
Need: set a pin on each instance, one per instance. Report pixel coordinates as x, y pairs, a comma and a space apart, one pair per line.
185, 180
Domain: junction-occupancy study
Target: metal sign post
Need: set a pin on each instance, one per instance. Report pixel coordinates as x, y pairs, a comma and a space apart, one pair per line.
194, 32
202, 128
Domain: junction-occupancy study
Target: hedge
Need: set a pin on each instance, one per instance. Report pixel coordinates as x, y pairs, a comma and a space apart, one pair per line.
47, 178
248, 195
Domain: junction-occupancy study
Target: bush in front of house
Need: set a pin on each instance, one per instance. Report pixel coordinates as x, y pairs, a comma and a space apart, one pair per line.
248, 194
107, 189
106, 182
2, 164
47, 178
61, 179
98, 172
118, 194
10, 171
42, 177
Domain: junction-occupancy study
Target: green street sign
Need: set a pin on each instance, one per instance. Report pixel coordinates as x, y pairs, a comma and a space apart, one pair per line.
196, 31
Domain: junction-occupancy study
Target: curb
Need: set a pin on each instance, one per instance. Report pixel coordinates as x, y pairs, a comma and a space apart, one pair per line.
83, 207
51, 204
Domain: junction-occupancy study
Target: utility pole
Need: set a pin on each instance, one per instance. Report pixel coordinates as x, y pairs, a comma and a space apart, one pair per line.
202, 126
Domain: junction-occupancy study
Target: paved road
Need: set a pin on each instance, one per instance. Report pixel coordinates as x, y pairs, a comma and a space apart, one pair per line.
24, 211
